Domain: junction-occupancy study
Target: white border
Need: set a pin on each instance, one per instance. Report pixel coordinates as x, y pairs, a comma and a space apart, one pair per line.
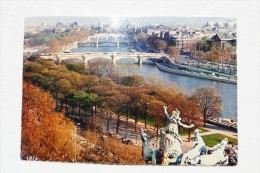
12, 25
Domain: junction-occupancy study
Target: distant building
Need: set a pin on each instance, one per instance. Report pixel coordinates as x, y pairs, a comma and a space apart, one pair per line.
62, 28
228, 24
224, 39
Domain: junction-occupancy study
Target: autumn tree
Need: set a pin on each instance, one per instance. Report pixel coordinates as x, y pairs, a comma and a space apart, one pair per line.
145, 104
79, 97
155, 109
133, 80
190, 113
174, 52
209, 102
142, 37
160, 44
204, 44
77, 67
46, 134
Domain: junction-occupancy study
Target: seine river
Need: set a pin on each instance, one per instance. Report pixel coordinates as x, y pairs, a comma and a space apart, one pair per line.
187, 84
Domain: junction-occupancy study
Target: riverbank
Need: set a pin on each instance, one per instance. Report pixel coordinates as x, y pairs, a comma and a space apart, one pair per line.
165, 68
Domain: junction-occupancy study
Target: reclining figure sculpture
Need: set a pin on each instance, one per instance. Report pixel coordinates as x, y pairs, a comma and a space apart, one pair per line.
199, 147
148, 152
217, 157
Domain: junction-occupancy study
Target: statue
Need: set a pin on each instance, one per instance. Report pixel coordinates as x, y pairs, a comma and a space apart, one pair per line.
170, 146
199, 147
148, 152
217, 157
170, 139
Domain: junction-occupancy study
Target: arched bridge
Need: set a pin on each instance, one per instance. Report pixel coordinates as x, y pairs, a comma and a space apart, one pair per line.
105, 36
113, 56
98, 39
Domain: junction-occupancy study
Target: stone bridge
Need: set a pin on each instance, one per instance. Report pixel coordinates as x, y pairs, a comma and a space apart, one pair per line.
106, 36
98, 39
113, 56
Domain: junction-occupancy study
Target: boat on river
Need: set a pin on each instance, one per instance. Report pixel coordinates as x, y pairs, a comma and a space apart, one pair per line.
212, 76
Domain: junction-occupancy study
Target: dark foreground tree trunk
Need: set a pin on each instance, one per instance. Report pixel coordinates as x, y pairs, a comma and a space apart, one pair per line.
107, 121
136, 119
145, 121
117, 123
126, 125
189, 138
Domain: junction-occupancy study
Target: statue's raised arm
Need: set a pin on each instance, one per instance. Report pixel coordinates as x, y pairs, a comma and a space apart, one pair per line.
180, 123
184, 125
166, 113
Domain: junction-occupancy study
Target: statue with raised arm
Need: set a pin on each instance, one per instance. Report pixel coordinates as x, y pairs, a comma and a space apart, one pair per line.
170, 139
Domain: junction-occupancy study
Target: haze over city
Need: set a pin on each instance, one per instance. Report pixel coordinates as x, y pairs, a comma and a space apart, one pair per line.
173, 21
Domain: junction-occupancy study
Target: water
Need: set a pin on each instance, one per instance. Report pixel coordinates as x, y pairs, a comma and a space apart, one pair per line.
228, 92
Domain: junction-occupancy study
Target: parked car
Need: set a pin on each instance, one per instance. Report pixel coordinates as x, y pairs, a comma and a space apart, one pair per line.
58, 109
77, 123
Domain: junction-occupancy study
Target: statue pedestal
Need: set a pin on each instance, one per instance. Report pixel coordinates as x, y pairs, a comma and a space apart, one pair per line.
171, 147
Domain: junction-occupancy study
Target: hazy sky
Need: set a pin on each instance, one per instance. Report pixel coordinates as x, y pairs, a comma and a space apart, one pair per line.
134, 20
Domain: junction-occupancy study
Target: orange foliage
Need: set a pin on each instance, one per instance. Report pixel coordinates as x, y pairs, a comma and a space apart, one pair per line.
110, 150
46, 134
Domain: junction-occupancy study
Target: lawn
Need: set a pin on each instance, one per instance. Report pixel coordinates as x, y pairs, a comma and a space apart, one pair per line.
211, 140
182, 132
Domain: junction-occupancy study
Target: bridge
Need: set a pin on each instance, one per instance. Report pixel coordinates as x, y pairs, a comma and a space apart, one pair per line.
97, 43
98, 39
113, 56
106, 36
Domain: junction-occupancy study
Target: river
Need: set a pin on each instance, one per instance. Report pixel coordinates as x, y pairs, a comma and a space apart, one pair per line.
228, 92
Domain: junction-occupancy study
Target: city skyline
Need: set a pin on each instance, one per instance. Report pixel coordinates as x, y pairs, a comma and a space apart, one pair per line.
156, 20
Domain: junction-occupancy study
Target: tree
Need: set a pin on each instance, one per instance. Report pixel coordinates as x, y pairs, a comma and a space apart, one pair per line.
160, 45
64, 89
174, 52
89, 101
134, 105
79, 97
145, 103
204, 44
190, 113
208, 101
142, 37
155, 109
46, 134
133, 80
77, 67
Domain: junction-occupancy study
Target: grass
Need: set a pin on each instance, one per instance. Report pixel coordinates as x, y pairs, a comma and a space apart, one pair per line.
211, 140
182, 131
149, 120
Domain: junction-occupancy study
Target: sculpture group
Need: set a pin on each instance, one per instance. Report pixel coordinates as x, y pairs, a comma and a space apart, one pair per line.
170, 152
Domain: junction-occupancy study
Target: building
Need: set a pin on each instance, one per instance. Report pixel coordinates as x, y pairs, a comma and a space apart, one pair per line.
62, 28
222, 39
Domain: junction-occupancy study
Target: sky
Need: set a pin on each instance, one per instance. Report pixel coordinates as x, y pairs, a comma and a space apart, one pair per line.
134, 20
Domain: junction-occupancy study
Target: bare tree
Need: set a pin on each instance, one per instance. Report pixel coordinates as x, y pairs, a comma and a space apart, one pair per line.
160, 44
174, 52
209, 102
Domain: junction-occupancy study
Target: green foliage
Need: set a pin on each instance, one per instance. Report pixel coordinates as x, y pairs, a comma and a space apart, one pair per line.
133, 80
28, 35
211, 140
77, 67
142, 37
41, 38
204, 44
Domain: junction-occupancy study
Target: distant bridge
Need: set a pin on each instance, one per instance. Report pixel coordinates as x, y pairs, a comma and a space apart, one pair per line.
97, 43
106, 36
98, 39
113, 56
